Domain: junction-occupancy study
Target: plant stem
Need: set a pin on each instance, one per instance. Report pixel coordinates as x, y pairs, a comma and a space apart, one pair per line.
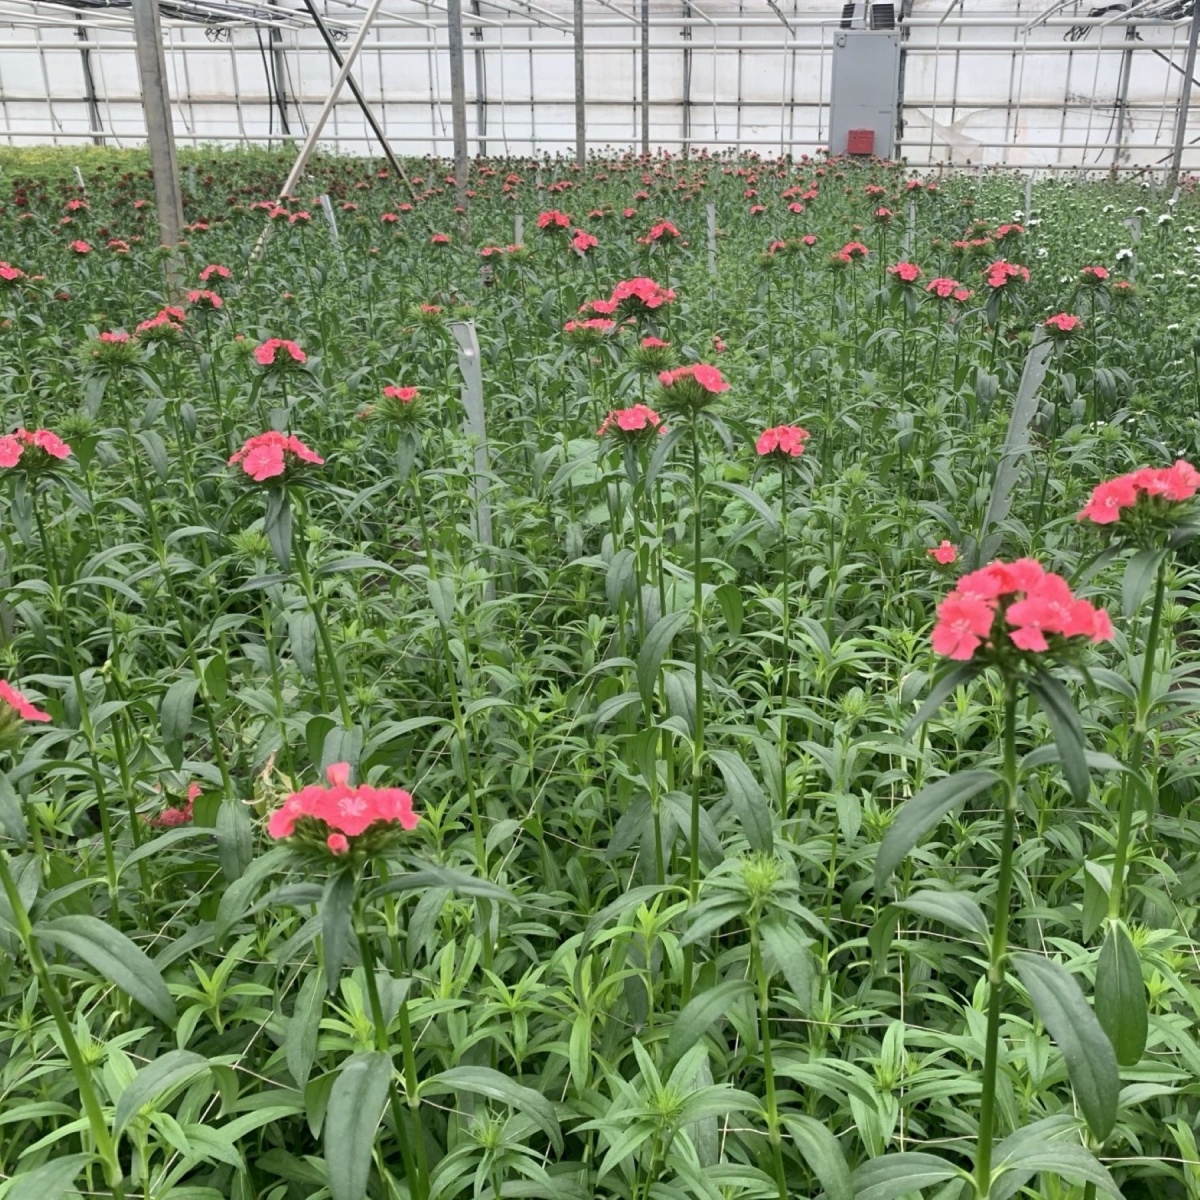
105, 1146
787, 646
764, 1022
1141, 720
999, 948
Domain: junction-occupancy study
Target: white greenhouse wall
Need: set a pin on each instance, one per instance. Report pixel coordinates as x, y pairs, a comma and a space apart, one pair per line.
981, 86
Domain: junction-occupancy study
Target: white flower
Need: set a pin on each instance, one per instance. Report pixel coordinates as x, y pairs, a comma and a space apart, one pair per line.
1140, 211
1108, 208
1124, 255
1042, 252
1173, 327
1033, 222
1165, 219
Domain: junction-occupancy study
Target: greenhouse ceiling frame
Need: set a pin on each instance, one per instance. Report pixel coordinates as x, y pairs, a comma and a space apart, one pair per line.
763, 26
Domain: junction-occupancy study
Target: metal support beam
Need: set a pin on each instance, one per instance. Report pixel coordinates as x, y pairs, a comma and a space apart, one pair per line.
279, 71
481, 125
646, 77
156, 102
356, 92
1185, 99
458, 95
89, 83
580, 113
1123, 94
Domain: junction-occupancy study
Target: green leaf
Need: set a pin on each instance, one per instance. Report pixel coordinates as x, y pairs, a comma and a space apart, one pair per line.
923, 812
746, 798
752, 498
277, 525
336, 910
894, 1175
12, 818
1091, 1062
51, 1181
235, 838
943, 688
355, 1109
161, 844
1055, 701
441, 599
693, 1020
1140, 572
303, 1028
788, 950
823, 1153
486, 1082
155, 1081
176, 716
302, 637
654, 649
435, 875
110, 952
1121, 1006
955, 909
1067, 1160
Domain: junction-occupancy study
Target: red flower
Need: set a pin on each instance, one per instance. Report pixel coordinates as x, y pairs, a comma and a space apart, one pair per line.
265, 354
906, 272
663, 231
440, 239
583, 241
945, 553
1005, 232
1173, 484
943, 288
1020, 603
883, 216
552, 220
639, 419
1063, 324
653, 343
204, 299
214, 269
10, 274
80, 247
1001, 271
853, 251
16, 703
786, 441
268, 455
44, 445
340, 812
1094, 275
406, 395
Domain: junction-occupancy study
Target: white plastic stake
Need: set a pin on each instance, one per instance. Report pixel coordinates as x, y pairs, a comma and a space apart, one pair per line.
518, 229
331, 219
1028, 196
711, 212
476, 424
79, 179
910, 230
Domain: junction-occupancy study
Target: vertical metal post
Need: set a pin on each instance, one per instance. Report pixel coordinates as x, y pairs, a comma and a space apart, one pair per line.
580, 115
1185, 99
152, 72
480, 86
89, 83
476, 427
458, 95
280, 72
646, 77
1123, 95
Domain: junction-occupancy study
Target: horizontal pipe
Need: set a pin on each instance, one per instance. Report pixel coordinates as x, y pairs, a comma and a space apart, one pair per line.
566, 142
264, 101
564, 47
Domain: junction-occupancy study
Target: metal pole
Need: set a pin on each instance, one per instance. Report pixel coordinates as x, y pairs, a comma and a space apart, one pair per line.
314, 133
156, 103
646, 77
89, 83
280, 73
1123, 94
1185, 99
580, 115
480, 86
458, 95
356, 92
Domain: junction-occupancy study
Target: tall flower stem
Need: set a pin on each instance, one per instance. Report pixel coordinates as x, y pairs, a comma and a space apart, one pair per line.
698, 669
998, 951
787, 645
415, 1169
1129, 781
762, 984
105, 1146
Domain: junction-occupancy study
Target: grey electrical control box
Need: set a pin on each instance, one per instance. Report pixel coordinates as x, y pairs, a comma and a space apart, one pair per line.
865, 92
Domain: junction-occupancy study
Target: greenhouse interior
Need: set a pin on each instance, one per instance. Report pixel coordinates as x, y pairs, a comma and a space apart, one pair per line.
597, 598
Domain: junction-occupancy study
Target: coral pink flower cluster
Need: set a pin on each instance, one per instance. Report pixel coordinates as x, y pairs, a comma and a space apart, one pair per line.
268, 455
266, 354
1020, 602
345, 812
14, 445
944, 553
945, 288
1001, 271
1175, 484
13, 701
1063, 324
664, 231
175, 815
635, 420
632, 297
705, 376
787, 441
406, 395
906, 272
552, 220
10, 274
583, 241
